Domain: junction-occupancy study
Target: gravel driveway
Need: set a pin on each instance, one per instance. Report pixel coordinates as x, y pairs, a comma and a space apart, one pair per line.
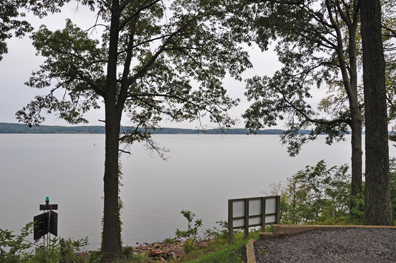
330, 245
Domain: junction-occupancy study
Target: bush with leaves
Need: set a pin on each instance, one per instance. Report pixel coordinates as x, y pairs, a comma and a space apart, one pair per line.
60, 250
191, 233
316, 194
216, 233
15, 248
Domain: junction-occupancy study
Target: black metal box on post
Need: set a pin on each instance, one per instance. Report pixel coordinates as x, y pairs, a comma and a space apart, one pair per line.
46, 222
40, 226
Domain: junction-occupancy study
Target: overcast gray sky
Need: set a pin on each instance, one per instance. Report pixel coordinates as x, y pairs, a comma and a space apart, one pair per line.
17, 65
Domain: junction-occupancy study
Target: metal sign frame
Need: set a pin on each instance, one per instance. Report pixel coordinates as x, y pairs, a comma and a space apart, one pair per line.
249, 216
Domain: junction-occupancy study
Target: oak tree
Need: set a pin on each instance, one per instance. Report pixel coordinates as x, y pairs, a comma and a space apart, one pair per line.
317, 45
155, 60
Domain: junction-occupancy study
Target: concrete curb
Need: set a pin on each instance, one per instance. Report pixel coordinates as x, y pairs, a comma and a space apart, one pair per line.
278, 230
251, 257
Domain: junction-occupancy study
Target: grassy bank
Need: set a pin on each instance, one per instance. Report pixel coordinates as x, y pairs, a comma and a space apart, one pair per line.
15, 248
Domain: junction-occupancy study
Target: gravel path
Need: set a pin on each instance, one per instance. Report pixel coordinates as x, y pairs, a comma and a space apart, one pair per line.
330, 245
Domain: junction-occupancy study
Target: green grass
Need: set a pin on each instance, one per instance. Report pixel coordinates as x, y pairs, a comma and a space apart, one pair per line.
221, 251
234, 253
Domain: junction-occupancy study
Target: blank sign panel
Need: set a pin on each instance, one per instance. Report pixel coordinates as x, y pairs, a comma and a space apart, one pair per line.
239, 223
270, 205
254, 207
270, 219
254, 221
238, 209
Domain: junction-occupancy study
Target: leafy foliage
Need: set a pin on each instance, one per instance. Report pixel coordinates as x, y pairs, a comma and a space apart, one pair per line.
11, 15
316, 194
8, 23
192, 231
322, 195
15, 248
60, 250
154, 80
218, 233
316, 45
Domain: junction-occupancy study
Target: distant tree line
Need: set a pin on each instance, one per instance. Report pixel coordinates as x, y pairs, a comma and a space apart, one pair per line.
21, 128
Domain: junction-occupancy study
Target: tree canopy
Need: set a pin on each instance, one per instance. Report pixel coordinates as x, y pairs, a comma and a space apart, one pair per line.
13, 13
8, 23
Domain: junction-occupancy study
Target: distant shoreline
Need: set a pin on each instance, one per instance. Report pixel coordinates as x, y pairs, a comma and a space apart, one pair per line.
12, 128
17, 128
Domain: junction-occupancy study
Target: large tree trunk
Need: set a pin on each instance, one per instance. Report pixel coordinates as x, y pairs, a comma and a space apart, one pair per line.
111, 243
378, 207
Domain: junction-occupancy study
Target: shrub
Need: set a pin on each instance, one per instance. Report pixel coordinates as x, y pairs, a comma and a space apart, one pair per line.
216, 233
15, 248
191, 233
316, 194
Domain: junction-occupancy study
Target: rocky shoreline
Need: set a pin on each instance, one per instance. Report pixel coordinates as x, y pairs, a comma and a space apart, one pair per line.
167, 250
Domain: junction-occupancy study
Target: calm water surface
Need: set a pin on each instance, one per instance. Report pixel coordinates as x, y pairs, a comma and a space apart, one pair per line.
201, 174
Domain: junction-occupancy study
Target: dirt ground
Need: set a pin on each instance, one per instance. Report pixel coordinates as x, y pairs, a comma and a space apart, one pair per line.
330, 245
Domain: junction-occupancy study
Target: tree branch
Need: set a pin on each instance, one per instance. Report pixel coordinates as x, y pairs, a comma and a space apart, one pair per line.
127, 20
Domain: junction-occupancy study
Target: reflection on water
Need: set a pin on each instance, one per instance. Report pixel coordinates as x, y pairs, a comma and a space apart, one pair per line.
202, 173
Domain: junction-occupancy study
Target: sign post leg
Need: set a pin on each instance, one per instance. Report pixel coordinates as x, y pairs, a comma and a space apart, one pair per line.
230, 223
246, 218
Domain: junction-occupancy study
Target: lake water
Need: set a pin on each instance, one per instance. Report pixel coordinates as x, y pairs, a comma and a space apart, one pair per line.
201, 174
